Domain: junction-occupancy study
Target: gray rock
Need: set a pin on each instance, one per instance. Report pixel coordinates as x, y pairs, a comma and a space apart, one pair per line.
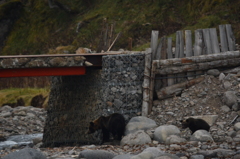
167, 156
24, 138
174, 139
229, 98
201, 135
162, 132
96, 154
214, 72
124, 156
237, 126
197, 157
139, 123
221, 76
26, 153
143, 155
225, 108
6, 114
7, 144
227, 84
137, 138
154, 151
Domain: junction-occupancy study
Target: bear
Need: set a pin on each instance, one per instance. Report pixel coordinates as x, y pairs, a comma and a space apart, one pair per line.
195, 124
114, 124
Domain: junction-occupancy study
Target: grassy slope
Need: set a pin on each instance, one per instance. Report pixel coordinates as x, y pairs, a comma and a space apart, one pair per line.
41, 28
11, 95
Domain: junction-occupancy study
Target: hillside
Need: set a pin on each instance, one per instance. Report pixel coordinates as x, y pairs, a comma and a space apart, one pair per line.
39, 26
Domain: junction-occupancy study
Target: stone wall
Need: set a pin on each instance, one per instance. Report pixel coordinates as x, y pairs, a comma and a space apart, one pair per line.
123, 78
76, 100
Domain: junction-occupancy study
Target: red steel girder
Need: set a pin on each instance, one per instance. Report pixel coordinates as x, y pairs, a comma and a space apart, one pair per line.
44, 71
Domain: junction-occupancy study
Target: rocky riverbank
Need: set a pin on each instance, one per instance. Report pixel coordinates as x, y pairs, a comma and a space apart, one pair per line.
216, 99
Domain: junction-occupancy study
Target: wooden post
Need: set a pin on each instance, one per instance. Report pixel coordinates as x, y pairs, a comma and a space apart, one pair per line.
146, 83
169, 56
207, 42
180, 52
164, 56
154, 42
214, 40
151, 87
159, 49
223, 38
230, 38
130, 44
177, 47
198, 46
189, 49
181, 43
169, 50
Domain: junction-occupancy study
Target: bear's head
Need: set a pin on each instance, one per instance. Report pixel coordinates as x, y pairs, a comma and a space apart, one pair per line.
93, 126
186, 123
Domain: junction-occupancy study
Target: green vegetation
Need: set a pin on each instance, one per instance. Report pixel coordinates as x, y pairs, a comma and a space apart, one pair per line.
41, 28
11, 95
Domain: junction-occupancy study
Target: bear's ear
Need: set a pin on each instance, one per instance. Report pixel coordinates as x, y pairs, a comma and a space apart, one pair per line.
91, 124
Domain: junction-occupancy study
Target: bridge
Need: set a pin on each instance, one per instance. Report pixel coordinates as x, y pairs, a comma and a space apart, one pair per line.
49, 64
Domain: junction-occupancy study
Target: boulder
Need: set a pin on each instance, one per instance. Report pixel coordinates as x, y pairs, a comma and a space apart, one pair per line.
164, 131
229, 98
237, 126
26, 153
96, 154
124, 156
137, 138
201, 135
139, 123
174, 139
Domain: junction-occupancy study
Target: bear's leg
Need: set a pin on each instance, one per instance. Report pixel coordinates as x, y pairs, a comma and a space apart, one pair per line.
105, 135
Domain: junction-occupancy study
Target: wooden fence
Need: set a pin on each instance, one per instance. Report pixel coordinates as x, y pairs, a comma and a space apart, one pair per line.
171, 68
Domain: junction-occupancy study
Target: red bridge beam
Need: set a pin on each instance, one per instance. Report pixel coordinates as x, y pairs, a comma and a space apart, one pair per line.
46, 71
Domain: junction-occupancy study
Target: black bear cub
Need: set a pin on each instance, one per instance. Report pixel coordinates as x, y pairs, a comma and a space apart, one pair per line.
195, 124
114, 124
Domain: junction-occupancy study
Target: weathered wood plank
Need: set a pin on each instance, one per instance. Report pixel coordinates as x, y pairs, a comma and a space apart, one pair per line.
151, 87
176, 89
181, 44
177, 47
223, 38
198, 46
146, 82
207, 42
189, 47
198, 66
154, 43
197, 59
169, 50
230, 38
170, 80
159, 49
214, 40
180, 52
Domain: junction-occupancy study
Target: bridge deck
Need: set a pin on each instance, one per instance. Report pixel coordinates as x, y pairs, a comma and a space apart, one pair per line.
49, 64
